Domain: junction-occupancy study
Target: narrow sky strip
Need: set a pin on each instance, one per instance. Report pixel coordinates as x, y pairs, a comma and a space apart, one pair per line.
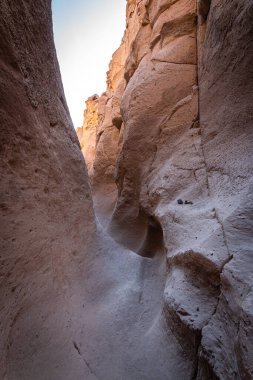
86, 34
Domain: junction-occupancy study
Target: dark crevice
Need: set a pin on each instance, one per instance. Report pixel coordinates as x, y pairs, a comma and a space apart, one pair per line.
204, 8
117, 122
153, 243
84, 360
77, 348
143, 234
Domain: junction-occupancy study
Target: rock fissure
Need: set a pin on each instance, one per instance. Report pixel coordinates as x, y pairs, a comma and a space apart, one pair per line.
83, 358
197, 368
172, 63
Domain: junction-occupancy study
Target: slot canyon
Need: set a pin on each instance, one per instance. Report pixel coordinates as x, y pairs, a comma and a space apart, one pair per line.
127, 245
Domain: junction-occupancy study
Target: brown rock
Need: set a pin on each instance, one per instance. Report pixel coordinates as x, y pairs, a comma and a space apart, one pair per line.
67, 291
174, 124
88, 133
187, 132
45, 199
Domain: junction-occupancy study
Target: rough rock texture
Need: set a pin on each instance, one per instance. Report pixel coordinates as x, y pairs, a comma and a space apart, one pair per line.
186, 133
226, 119
175, 123
42, 179
88, 132
73, 303
109, 128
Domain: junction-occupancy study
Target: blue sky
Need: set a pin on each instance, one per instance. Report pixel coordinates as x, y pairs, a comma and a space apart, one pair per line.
86, 34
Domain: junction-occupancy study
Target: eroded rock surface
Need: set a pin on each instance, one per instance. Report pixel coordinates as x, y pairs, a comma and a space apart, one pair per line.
155, 288
42, 179
88, 132
186, 110
74, 304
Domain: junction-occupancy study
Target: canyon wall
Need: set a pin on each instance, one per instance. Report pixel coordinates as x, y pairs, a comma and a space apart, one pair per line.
73, 303
176, 134
45, 199
157, 282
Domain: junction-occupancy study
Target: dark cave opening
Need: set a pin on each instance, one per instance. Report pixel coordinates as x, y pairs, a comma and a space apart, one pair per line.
153, 243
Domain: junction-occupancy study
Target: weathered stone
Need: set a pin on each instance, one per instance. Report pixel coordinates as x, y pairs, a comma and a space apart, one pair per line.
187, 134
175, 123
45, 199
88, 133
74, 304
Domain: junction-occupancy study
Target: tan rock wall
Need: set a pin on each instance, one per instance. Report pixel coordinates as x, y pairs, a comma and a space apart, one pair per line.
73, 303
226, 118
175, 123
102, 166
87, 135
42, 179
186, 109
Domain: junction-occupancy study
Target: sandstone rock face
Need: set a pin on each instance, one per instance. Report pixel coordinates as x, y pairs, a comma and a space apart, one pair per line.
186, 109
74, 304
167, 294
226, 119
42, 179
109, 129
88, 133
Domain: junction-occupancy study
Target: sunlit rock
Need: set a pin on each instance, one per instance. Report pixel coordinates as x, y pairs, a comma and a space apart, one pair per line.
186, 111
